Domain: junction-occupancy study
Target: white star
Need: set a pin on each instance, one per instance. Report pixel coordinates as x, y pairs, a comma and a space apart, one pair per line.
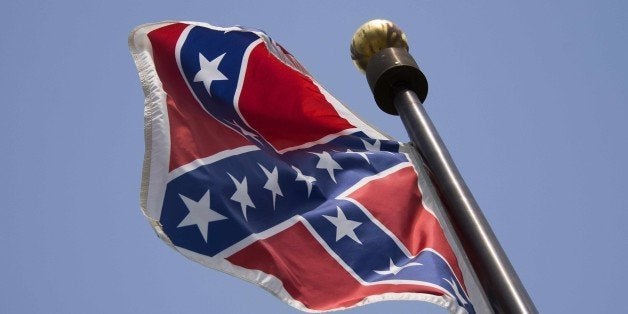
394, 269
363, 154
344, 226
455, 287
372, 147
309, 181
326, 162
273, 183
209, 71
241, 195
200, 214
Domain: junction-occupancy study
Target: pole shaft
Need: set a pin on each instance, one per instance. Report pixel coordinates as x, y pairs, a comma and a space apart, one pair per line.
497, 277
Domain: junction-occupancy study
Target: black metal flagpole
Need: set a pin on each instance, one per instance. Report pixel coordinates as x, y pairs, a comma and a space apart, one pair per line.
380, 49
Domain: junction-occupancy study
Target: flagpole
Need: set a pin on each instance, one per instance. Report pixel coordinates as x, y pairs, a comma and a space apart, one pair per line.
379, 48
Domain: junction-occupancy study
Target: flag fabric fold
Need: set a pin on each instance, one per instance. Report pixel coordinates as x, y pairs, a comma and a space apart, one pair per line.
253, 169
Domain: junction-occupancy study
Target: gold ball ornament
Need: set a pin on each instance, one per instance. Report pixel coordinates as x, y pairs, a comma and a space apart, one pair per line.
372, 37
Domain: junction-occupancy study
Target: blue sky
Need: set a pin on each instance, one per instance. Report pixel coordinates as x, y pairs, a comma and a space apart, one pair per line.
530, 98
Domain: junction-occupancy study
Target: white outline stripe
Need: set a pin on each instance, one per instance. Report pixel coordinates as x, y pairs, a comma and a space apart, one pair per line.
322, 140
259, 236
210, 159
180, 42
368, 179
240, 84
348, 115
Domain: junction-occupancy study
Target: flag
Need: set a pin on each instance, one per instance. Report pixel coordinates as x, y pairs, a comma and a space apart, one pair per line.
253, 169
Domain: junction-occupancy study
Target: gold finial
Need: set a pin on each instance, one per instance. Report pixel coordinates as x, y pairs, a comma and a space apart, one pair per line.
372, 37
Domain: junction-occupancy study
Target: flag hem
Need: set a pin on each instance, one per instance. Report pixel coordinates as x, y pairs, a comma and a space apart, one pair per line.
154, 110
274, 286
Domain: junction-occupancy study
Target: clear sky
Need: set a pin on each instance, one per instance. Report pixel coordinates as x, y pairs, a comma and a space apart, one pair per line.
530, 98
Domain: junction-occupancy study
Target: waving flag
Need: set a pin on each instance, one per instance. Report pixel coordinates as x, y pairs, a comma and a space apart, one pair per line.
253, 169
